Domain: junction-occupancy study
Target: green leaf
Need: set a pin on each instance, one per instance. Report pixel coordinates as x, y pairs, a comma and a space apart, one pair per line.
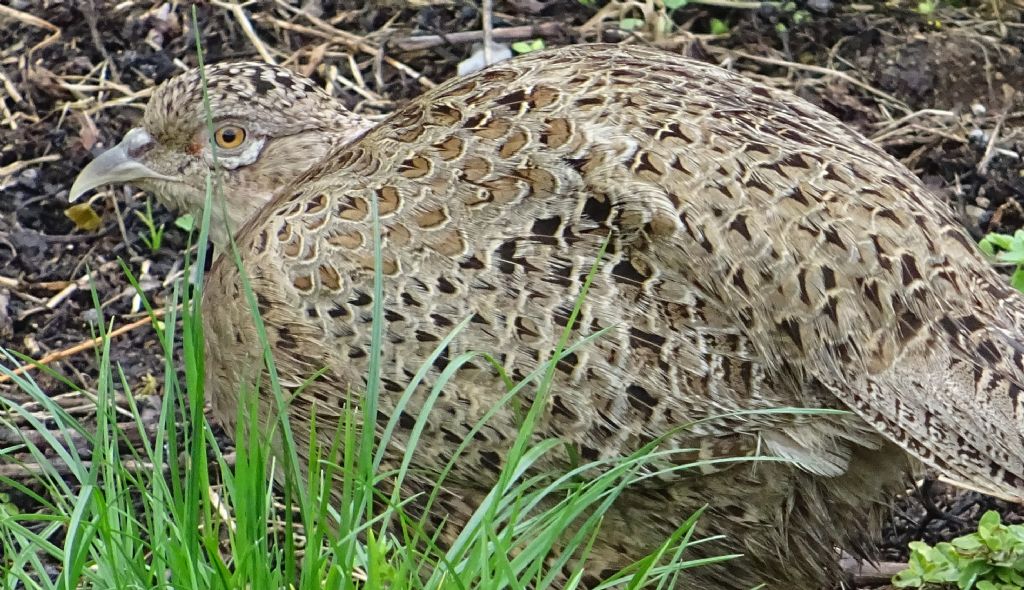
719, 27
967, 543
989, 524
1018, 240
993, 242
1017, 280
186, 222
1011, 256
990, 559
970, 573
907, 579
631, 24
528, 46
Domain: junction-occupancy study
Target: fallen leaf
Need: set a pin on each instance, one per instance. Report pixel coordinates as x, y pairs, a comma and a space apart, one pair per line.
83, 216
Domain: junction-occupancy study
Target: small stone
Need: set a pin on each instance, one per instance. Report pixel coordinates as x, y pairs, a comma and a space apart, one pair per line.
475, 62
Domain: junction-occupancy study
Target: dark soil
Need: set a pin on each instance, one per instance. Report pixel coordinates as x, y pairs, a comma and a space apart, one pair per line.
942, 92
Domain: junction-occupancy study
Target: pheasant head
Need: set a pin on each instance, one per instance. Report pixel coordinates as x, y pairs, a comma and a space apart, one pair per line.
267, 126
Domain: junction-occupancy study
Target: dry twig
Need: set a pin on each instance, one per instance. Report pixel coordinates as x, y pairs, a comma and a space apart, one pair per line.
420, 42
325, 30
35, 21
826, 72
80, 347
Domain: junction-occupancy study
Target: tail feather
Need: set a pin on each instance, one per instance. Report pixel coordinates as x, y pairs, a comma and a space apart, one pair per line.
951, 398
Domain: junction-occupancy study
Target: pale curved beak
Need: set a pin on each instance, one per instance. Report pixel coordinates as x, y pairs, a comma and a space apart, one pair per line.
117, 165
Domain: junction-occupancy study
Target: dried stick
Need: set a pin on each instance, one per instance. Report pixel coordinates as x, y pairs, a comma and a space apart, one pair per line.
81, 346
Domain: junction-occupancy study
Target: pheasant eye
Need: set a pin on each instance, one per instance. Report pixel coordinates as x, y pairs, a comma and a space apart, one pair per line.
229, 136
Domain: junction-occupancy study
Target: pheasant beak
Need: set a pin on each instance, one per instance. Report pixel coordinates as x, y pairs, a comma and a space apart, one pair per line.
120, 163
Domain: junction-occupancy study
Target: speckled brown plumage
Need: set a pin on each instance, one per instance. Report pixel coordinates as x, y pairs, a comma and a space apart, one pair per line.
761, 255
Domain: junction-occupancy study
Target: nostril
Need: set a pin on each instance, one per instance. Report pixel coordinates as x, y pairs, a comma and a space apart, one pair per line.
137, 152
137, 142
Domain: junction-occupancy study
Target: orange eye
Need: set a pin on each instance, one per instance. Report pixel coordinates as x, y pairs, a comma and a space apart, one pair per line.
229, 136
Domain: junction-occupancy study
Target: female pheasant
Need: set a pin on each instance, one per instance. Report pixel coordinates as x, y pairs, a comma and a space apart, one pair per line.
759, 255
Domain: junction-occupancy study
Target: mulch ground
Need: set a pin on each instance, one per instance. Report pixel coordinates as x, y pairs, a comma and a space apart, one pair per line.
942, 91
